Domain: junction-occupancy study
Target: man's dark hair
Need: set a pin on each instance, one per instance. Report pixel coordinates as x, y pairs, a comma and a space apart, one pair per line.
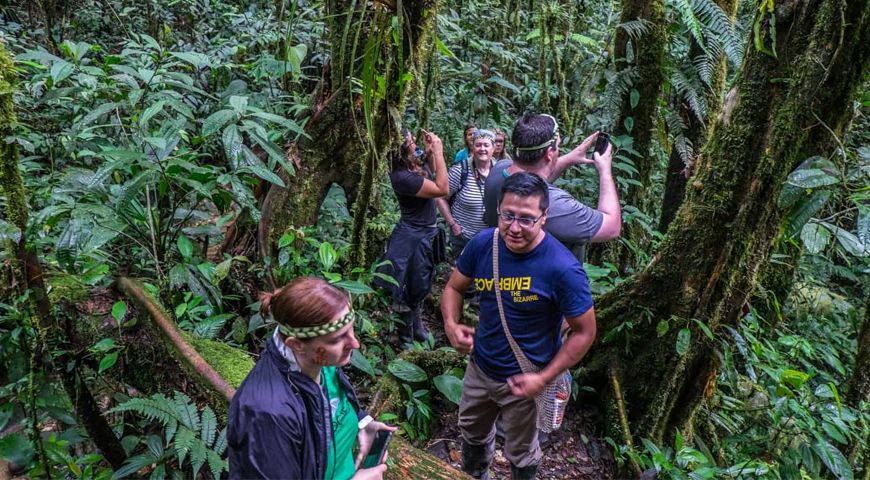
524, 184
530, 130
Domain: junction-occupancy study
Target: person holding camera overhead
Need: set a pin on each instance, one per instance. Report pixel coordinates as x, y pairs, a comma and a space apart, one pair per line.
536, 141
296, 414
416, 245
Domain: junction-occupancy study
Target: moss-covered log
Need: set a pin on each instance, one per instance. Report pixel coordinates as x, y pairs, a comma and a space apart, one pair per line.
185, 353
350, 132
707, 264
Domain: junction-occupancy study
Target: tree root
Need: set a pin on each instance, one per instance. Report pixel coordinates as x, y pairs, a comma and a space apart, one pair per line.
623, 415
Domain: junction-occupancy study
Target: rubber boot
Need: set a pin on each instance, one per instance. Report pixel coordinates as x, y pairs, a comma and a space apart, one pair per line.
524, 473
406, 329
476, 460
421, 333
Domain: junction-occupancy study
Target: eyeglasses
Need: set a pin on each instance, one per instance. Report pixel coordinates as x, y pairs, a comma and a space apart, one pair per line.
525, 222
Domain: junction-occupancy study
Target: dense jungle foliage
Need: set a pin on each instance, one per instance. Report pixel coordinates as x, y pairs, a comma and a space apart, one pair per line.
139, 140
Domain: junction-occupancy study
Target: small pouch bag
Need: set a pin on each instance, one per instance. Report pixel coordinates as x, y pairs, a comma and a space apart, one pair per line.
553, 398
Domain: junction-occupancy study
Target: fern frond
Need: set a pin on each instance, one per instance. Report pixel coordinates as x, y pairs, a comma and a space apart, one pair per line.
221, 443
684, 147
690, 21
216, 464
705, 68
717, 21
198, 456
209, 426
170, 431
187, 414
157, 407
689, 89
184, 443
635, 28
675, 123
618, 86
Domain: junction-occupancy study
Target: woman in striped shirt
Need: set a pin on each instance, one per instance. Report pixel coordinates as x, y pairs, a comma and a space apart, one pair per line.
463, 208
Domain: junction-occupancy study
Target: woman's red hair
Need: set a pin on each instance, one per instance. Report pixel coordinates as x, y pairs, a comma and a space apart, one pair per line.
304, 302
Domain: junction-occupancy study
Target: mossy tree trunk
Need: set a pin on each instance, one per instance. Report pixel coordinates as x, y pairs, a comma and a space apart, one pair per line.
53, 330
350, 130
638, 115
679, 170
707, 264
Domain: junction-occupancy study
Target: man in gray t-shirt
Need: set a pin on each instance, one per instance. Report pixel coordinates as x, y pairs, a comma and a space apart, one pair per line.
536, 140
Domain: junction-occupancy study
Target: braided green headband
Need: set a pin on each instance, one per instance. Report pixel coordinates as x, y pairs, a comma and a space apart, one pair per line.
317, 330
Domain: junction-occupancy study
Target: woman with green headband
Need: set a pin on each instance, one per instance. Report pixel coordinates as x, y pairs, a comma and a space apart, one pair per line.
296, 415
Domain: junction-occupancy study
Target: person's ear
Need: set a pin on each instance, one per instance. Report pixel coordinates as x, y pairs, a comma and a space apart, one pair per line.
294, 344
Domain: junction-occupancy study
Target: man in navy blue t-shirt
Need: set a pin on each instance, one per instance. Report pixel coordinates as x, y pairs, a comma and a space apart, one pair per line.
540, 283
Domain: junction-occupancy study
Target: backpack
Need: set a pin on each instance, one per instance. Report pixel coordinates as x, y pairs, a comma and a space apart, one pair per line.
463, 179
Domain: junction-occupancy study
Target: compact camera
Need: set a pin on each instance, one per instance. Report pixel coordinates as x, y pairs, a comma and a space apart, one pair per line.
420, 156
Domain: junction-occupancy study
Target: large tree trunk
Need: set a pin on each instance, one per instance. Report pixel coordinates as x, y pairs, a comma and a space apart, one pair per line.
349, 132
640, 120
679, 170
778, 112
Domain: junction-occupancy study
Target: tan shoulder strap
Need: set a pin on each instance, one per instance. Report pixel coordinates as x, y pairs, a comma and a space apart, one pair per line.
525, 364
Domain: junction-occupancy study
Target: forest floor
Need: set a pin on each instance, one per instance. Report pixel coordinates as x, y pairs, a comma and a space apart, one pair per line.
574, 452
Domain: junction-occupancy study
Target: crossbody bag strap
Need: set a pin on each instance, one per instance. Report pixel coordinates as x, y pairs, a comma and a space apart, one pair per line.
525, 365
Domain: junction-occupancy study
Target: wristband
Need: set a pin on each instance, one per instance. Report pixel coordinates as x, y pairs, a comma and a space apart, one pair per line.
365, 422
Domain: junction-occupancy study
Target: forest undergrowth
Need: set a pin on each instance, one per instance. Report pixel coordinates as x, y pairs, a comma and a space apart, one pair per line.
148, 133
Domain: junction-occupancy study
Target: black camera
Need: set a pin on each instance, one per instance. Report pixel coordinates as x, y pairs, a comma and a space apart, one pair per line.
601, 143
420, 156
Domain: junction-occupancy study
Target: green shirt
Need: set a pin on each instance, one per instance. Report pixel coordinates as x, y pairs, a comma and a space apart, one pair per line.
339, 455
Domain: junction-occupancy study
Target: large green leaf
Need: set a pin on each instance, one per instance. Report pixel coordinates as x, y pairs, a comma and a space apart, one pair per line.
848, 240
9, 232
805, 208
815, 237
359, 360
684, 338
812, 178
198, 60
353, 286
133, 465
256, 166
450, 386
15, 447
407, 371
834, 460
149, 113
217, 120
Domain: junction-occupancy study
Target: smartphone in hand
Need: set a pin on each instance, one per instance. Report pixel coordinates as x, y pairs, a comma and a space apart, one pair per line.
378, 451
601, 143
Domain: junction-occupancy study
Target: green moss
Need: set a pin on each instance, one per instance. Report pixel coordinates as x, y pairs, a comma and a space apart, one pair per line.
10, 177
230, 363
66, 288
